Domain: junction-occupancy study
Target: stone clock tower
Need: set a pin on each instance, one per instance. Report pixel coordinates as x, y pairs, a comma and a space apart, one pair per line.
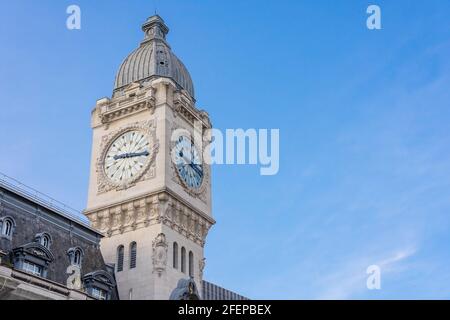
150, 192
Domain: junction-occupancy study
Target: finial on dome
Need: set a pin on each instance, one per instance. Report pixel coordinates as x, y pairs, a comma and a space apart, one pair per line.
155, 28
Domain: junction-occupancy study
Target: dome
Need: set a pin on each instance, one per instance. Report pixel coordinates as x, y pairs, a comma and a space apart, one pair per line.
152, 59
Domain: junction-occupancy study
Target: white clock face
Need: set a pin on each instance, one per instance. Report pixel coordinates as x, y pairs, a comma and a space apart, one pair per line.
127, 157
188, 163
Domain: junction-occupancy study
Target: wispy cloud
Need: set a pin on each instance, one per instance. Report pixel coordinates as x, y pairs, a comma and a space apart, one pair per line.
350, 282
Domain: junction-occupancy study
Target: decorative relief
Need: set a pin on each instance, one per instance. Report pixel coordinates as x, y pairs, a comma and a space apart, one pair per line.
159, 256
149, 210
104, 184
183, 106
201, 267
134, 99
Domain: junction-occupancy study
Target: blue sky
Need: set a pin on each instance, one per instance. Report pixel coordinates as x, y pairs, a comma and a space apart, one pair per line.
363, 116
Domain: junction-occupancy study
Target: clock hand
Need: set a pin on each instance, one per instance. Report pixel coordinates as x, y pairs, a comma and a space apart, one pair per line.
131, 155
197, 169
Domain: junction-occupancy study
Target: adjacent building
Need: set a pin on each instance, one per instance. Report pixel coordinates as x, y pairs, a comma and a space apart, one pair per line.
47, 253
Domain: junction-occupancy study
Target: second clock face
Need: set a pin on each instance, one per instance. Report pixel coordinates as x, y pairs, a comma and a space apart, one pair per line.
127, 157
188, 162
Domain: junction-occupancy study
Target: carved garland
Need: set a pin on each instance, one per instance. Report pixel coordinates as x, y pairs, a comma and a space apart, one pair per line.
104, 184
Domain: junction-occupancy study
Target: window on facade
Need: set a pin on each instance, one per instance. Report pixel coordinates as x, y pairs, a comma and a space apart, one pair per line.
175, 255
77, 258
44, 239
99, 294
183, 260
32, 268
120, 251
133, 253
191, 264
7, 227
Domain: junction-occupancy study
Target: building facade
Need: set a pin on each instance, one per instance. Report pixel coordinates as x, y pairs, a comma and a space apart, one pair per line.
46, 253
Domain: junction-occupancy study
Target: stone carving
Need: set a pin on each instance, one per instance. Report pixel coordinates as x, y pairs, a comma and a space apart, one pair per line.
74, 279
159, 256
149, 171
201, 267
147, 210
135, 99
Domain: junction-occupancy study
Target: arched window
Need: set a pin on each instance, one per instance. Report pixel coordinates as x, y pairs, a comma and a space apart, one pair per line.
191, 264
76, 256
133, 254
44, 239
175, 255
7, 226
183, 259
120, 251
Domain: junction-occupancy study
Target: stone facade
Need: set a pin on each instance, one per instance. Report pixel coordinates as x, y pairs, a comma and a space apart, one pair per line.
31, 220
155, 208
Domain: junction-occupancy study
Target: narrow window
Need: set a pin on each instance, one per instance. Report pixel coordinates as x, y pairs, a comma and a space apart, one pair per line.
133, 253
175, 255
45, 241
77, 258
7, 227
183, 259
120, 250
191, 264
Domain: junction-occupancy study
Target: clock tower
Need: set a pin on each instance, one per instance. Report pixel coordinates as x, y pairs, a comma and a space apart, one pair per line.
149, 188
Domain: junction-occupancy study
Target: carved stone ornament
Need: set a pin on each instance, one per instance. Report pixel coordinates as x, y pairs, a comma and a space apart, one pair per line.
104, 184
159, 256
73, 281
201, 267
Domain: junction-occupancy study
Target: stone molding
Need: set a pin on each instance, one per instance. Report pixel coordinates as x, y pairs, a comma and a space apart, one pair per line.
184, 106
159, 208
135, 99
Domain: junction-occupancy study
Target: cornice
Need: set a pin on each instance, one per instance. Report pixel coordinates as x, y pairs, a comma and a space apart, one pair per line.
162, 207
134, 100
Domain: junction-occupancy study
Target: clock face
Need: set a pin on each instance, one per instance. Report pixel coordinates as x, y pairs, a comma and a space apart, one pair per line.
188, 162
127, 157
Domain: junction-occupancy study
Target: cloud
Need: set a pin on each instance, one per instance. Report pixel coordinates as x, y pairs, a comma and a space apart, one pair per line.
350, 282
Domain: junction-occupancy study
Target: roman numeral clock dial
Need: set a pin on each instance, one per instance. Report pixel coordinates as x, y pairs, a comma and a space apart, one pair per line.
127, 157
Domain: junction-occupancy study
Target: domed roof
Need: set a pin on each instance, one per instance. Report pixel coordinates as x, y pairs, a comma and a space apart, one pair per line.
153, 58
